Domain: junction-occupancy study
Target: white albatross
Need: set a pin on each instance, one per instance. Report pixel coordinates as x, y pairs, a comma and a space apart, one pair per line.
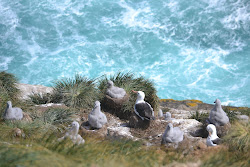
143, 109
72, 133
212, 139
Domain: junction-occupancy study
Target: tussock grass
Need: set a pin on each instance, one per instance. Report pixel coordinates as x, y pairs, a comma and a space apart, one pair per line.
231, 114
75, 92
238, 138
8, 84
237, 153
8, 89
58, 116
201, 117
129, 82
40, 98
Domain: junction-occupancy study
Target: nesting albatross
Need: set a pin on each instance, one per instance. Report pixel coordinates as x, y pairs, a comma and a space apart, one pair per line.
12, 113
142, 108
96, 118
217, 116
172, 134
115, 92
72, 133
212, 139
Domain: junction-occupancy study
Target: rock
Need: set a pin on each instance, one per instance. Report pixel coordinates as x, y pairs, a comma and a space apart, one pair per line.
114, 106
180, 113
120, 132
223, 130
201, 145
188, 126
18, 133
26, 90
137, 122
243, 118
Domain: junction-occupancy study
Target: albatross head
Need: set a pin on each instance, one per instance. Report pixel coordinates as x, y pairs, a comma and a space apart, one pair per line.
140, 95
217, 102
9, 104
110, 83
211, 130
97, 104
74, 128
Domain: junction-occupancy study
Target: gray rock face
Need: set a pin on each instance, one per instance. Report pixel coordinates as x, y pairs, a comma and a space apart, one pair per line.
96, 118
12, 113
26, 90
72, 133
243, 118
217, 116
172, 135
115, 92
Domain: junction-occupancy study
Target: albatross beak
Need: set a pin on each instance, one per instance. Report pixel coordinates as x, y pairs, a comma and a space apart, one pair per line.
134, 91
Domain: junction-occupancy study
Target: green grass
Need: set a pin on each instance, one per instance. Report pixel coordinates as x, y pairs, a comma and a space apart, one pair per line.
8, 90
201, 117
238, 138
8, 84
77, 92
129, 82
237, 153
40, 98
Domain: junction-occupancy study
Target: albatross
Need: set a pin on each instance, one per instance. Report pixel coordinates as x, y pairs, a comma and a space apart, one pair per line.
172, 134
114, 91
212, 139
72, 133
217, 116
143, 109
96, 118
12, 113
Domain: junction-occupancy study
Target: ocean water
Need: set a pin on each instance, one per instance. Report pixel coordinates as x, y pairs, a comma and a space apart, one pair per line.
191, 49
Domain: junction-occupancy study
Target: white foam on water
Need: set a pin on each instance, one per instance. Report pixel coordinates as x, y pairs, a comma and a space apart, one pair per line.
4, 62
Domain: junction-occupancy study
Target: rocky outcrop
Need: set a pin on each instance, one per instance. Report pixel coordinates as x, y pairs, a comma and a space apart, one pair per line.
26, 90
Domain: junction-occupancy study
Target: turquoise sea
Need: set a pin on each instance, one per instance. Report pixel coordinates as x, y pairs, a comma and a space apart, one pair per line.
191, 49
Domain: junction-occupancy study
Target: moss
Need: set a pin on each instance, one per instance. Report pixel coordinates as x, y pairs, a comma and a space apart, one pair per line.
192, 104
195, 101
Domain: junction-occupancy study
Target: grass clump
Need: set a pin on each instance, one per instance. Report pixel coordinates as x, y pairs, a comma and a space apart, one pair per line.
8, 84
237, 151
77, 92
129, 82
201, 117
231, 114
40, 98
8, 89
238, 138
58, 116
